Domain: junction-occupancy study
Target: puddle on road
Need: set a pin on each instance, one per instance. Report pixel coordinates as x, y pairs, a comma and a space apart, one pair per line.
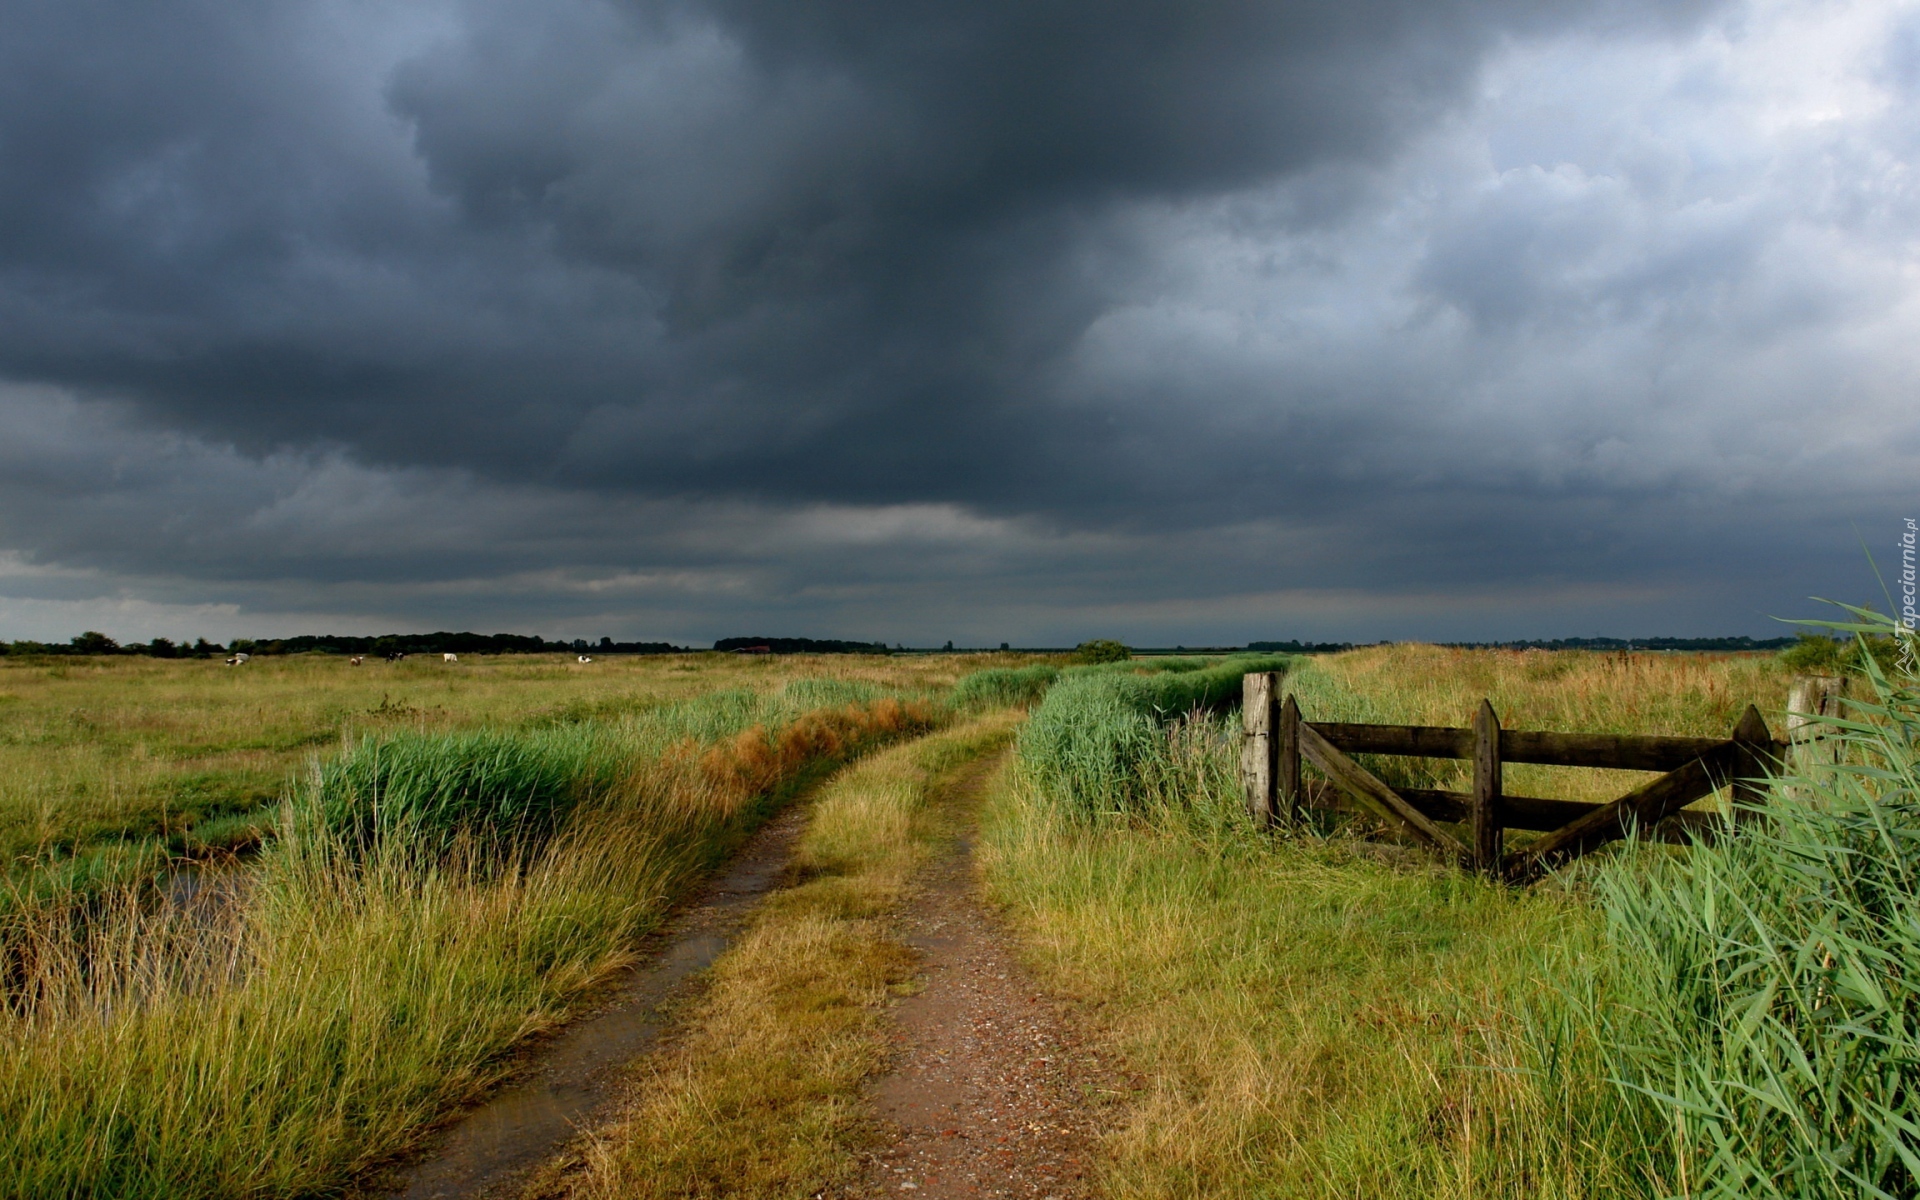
494, 1146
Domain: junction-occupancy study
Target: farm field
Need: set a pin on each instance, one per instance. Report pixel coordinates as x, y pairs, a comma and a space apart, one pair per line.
1301, 1012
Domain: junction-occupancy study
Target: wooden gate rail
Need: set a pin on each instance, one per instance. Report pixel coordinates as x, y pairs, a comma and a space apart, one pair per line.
1278, 741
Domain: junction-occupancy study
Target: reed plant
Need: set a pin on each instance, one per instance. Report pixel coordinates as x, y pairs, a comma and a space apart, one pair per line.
1761, 998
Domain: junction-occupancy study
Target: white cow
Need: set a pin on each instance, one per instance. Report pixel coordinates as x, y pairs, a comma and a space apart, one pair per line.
237, 659
584, 658
449, 658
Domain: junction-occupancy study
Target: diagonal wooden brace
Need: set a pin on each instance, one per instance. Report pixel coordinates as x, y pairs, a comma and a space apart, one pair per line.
1646, 805
1362, 785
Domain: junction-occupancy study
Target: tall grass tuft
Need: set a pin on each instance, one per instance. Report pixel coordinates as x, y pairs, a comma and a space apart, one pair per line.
1098, 742
1002, 687
495, 786
1766, 999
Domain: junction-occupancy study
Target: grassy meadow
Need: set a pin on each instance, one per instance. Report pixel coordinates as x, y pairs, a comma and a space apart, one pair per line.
438, 886
125, 758
451, 856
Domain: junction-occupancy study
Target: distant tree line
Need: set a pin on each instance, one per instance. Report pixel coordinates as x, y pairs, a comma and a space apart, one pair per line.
802, 645
1659, 643
1299, 647
94, 642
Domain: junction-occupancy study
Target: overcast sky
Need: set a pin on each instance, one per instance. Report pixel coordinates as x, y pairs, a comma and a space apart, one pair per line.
1180, 321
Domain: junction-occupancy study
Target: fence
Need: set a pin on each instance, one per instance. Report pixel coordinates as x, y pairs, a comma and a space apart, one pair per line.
1279, 741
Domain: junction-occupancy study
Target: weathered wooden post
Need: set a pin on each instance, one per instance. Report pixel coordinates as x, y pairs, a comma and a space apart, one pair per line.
1754, 758
1257, 743
1810, 697
1287, 759
1488, 834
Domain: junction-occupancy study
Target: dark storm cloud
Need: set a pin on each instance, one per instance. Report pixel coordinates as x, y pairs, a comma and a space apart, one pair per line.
828, 249
856, 310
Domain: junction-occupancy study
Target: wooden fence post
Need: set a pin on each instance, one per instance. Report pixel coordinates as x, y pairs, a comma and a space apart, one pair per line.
1257, 744
1488, 839
1813, 696
1754, 758
1287, 758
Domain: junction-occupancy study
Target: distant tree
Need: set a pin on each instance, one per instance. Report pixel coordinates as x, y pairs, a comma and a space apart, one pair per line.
94, 642
949, 645
162, 648
1816, 654
606, 643
1004, 646
1101, 650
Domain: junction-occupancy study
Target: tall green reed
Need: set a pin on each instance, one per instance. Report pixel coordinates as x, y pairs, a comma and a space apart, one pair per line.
1764, 1000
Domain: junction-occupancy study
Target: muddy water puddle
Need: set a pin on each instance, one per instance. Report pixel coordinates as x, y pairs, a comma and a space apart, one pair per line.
490, 1150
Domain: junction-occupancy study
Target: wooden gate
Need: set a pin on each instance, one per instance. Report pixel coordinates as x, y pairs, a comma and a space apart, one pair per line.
1278, 741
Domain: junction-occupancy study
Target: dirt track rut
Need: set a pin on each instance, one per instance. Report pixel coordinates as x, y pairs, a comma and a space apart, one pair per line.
986, 1093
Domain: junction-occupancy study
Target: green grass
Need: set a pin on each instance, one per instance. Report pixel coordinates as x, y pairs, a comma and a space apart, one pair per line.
1097, 743
99, 751
1302, 1018
516, 786
1003, 687
338, 994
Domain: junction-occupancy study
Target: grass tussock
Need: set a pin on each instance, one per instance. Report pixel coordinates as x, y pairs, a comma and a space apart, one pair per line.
759, 1098
1097, 743
1003, 687
334, 999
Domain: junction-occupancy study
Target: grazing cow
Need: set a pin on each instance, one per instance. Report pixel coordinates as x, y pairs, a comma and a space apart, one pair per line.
237, 659
354, 661
394, 656
449, 658
584, 658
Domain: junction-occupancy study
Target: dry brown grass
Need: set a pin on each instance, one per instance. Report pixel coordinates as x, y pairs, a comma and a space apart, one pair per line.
1691, 695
